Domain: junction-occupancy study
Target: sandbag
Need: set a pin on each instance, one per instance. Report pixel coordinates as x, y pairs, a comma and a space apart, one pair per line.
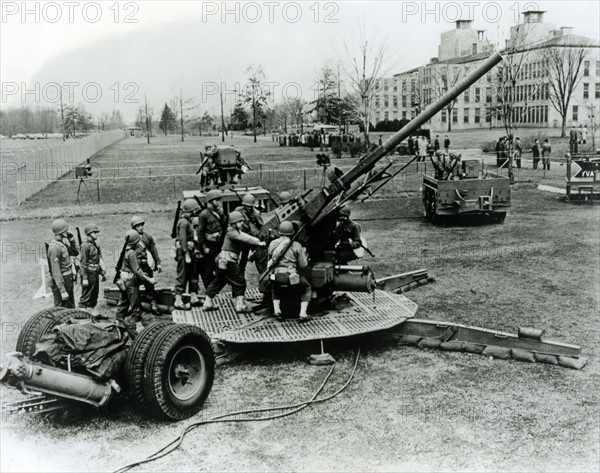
409, 340
523, 355
453, 345
501, 353
574, 363
547, 359
430, 343
473, 348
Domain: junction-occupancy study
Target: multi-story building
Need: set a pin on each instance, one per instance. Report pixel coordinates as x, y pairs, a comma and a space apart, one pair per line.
461, 50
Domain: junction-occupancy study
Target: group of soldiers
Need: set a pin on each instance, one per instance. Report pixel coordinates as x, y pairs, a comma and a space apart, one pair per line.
210, 246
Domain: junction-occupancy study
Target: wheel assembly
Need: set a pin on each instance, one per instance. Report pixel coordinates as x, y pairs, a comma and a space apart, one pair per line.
178, 372
39, 325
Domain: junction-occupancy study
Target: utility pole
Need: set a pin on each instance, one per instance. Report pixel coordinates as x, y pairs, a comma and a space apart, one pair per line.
181, 111
200, 121
147, 119
62, 114
222, 118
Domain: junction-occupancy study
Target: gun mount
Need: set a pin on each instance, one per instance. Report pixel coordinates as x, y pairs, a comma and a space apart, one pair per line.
316, 216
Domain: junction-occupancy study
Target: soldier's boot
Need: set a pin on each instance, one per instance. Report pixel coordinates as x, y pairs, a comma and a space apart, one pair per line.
304, 317
208, 304
240, 305
277, 309
194, 301
179, 304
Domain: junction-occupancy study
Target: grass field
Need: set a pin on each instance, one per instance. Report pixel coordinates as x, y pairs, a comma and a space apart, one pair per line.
407, 409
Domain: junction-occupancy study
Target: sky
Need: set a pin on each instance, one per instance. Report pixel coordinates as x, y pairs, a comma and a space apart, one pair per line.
114, 55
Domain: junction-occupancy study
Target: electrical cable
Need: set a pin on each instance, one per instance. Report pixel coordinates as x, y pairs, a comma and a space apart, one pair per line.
292, 409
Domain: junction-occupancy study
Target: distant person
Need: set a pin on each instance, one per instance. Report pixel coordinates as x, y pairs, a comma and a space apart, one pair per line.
580, 134
436, 143
546, 150
518, 146
584, 134
535, 150
573, 141
446, 144
380, 140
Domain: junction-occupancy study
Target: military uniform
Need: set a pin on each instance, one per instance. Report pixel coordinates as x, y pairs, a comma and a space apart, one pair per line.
61, 272
228, 263
348, 236
209, 230
253, 222
91, 269
147, 245
132, 275
290, 262
187, 276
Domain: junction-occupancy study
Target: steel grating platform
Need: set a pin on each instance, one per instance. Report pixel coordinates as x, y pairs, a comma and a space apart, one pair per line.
364, 313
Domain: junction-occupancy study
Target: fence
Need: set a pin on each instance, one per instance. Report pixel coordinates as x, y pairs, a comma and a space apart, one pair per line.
27, 171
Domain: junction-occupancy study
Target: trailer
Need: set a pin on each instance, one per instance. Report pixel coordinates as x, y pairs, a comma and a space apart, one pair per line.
471, 192
583, 177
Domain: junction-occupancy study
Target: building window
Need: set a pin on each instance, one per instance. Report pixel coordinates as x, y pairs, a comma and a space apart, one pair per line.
597, 91
455, 116
395, 101
477, 95
488, 95
404, 114
597, 68
466, 116
386, 102
466, 96
586, 68
404, 101
386, 116
376, 101
575, 113
477, 115
586, 91
443, 116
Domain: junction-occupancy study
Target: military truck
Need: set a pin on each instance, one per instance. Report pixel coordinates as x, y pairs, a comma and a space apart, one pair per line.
467, 190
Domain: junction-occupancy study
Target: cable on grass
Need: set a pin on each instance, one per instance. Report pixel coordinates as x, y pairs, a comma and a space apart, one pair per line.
291, 408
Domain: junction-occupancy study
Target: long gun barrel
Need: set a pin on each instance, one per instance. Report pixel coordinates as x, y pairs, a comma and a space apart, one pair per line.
316, 208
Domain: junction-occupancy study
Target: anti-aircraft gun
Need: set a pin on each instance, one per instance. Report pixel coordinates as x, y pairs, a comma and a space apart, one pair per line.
316, 215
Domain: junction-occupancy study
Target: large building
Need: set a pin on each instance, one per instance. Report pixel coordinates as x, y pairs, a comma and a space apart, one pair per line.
463, 48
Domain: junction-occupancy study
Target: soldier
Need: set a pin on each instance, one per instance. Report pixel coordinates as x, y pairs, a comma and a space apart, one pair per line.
149, 259
285, 267
546, 150
438, 164
228, 267
92, 268
252, 224
129, 308
61, 266
436, 143
446, 144
450, 164
284, 198
211, 225
347, 235
187, 277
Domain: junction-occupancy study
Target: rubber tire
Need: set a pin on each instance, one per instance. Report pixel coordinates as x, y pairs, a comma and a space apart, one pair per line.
161, 403
136, 358
39, 325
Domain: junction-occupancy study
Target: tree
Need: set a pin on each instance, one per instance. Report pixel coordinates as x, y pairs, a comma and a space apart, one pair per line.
167, 120
239, 117
147, 111
443, 79
255, 95
594, 122
77, 121
366, 67
564, 66
206, 122
328, 103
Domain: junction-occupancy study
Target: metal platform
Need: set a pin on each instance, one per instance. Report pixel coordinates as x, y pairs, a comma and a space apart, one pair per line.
364, 313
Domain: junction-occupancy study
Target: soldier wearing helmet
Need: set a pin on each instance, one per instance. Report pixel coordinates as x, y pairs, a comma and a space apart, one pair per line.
285, 263
129, 308
284, 198
228, 264
212, 224
252, 224
149, 259
60, 265
187, 274
92, 268
347, 237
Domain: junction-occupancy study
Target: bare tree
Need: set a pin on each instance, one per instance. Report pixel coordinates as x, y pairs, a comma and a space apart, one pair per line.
148, 118
594, 123
366, 67
564, 65
443, 78
255, 96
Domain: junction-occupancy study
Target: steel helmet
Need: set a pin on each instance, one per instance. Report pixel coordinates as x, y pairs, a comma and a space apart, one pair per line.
248, 200
235, 217
286, 228
132, 237
189, 205
285, 197
59, 226
214, 194
137, 220
91, 228
345, 211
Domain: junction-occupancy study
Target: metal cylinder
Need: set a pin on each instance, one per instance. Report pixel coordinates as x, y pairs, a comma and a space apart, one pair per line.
58, 382
353, 278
